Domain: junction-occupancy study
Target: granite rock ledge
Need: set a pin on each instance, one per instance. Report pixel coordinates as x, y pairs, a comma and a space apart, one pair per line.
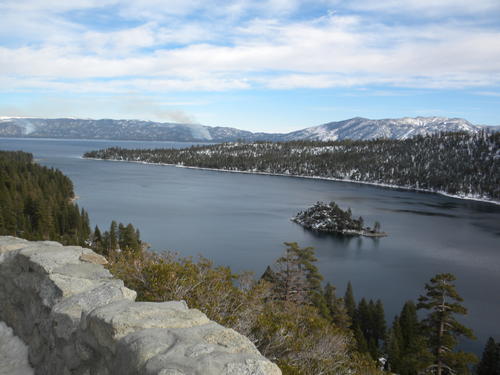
77, 319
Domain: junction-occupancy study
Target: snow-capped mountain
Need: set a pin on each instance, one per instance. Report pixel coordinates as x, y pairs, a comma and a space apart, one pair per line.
356, 128
362, 128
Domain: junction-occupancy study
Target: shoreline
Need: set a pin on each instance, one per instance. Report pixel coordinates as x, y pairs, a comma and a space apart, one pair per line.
379, 184
346, 232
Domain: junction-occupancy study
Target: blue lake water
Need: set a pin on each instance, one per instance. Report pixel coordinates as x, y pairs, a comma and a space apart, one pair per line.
241, 220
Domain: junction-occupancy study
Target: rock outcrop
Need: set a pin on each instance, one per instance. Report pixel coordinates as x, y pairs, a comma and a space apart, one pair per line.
77, 319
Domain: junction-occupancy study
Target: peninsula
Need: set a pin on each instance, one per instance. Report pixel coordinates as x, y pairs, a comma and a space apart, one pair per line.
461, 165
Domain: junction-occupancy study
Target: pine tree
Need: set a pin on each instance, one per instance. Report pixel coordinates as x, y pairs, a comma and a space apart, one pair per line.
269, 275
305, 258
362, 323
340, 317
380, 325
85, 230
407, 348
361, 222
370, 318
130, 242
97, 242
2, 223
409, 324
394, 345
362, 345
336, 307
350, 302
362, 317
113, 236
298, 279
490, 361
291, 285
121, 236
10, 217
443, 302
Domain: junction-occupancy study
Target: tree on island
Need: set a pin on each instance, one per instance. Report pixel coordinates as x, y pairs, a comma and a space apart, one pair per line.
442, 329
361, 222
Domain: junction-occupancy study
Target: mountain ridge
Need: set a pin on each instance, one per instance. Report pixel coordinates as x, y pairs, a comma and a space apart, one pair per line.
356, 128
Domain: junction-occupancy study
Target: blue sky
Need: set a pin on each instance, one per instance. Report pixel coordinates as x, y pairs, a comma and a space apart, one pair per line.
270, 65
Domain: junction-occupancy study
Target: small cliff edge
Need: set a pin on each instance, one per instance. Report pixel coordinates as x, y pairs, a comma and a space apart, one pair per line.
77, 319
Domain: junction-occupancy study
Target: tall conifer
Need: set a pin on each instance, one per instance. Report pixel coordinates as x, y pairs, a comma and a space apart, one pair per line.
443, 302
350, 302
490, 361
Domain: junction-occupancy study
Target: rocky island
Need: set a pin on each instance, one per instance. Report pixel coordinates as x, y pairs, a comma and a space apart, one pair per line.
330, 218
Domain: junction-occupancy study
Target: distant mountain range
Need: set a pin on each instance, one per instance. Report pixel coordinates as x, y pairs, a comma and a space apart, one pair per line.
355, 128
363, 129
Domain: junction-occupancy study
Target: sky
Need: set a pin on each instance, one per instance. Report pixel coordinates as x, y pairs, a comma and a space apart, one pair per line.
269, 65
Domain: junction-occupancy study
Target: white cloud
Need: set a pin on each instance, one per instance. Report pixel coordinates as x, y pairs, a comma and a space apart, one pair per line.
427, 8
217, 50
52, 6
487, 93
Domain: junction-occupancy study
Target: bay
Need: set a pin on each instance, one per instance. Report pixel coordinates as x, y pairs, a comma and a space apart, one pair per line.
242, 220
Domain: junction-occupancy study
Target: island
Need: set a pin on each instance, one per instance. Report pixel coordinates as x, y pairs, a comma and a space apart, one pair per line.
330, 218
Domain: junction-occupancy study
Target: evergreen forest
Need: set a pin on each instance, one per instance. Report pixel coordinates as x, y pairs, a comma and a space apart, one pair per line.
36, 202
461, 164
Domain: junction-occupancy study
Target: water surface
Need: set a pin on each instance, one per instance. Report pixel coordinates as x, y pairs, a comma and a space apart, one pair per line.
241, 220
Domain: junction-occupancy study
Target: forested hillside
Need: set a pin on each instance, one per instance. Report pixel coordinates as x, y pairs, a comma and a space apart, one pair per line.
36, 202
461, 164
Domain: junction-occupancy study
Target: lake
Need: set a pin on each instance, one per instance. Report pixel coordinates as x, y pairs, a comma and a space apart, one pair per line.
242, 220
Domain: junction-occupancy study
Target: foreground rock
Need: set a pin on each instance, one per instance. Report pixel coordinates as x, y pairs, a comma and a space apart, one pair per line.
76, 319
13, 353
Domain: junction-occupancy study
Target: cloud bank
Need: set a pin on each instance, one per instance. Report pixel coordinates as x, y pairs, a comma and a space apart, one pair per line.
115, 46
